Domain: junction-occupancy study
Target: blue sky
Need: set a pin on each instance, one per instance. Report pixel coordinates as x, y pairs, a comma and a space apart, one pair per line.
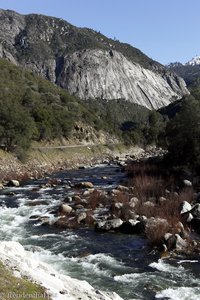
165, 30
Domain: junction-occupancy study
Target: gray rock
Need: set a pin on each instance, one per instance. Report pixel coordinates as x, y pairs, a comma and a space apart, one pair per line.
187, 183
180, 243
118, 205
185, 207
133, 226
108, 225
83, 72
81, 217
123, 188
65, 209
13, 183
133, 202
84, 185
125, 80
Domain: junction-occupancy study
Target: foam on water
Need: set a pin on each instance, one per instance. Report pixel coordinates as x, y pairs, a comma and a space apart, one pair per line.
125, 278
187, 261
28, 263
181, 293
100, 264
164, 267
55, 255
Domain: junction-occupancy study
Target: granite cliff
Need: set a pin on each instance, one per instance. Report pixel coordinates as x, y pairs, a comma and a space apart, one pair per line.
85, 62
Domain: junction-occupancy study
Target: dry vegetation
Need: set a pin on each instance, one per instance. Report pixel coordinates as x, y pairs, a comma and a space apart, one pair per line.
159, 197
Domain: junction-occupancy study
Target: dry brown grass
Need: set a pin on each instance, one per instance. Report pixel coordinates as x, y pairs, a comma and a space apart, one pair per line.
149, 184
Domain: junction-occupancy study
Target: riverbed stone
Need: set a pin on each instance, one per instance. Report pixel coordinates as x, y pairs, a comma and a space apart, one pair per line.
65, 209
133, 202
66, 222
185, 207
13, 182
180, 243
187, 183
133, 226
88, 192
104, 226
118, 205
123, 188
81, 217
79, 206
84, 184
36, 203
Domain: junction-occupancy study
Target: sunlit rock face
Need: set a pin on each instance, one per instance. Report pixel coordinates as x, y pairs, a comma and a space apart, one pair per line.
73, 58
109, 75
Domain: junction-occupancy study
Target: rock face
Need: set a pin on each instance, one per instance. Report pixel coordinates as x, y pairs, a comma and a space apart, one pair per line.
97, 74
86, 63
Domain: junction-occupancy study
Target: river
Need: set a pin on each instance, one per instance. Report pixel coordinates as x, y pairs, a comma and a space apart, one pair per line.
108, 261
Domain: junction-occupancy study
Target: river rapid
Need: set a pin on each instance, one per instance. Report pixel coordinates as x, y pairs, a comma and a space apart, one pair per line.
114, 262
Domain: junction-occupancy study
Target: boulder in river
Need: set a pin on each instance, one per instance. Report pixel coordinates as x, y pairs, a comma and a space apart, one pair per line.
187, 183
185, 207
81, 217
65, 209
133, 226
66, 222
108, 225
13, 183
84, 185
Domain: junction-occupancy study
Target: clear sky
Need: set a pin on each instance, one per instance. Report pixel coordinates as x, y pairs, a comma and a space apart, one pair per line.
165, 30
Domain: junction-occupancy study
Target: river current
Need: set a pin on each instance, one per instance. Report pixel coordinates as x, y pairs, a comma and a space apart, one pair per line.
108, 261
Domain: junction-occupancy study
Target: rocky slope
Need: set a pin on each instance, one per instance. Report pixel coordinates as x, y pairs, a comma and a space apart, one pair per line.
115, 77
85, 62
189, 71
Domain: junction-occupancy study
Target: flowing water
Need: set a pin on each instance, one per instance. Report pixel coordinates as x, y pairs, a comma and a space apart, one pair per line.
114, 262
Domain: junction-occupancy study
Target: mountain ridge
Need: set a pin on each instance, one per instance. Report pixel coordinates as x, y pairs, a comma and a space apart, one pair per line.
42, 44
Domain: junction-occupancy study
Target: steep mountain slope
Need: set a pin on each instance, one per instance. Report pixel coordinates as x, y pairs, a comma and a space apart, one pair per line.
194, 61
189, 71
116, 77
85, 62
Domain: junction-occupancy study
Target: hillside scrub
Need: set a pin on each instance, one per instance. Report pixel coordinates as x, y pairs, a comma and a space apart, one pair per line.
34, 109
182, 135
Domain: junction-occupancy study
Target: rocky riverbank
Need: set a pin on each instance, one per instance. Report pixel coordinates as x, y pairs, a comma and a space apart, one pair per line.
150, 202
124, 196
46, 160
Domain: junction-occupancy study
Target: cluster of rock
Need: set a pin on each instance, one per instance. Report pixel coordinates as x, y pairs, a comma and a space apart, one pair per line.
116, 211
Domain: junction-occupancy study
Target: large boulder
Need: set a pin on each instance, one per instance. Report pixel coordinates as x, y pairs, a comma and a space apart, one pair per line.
174, 242
13, 182
81, 217
133, 202
180, 243
66, 223
185, 207
187, 183
133, 226
84, 185
65, 209
108, 225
